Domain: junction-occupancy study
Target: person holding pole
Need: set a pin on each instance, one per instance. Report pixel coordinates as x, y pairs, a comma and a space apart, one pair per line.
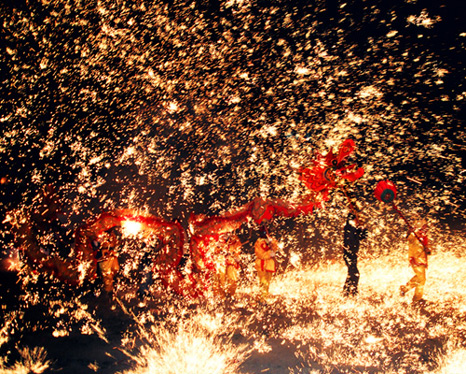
265, 249
418, 251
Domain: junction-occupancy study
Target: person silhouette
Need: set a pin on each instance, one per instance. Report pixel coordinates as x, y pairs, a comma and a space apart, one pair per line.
352, 236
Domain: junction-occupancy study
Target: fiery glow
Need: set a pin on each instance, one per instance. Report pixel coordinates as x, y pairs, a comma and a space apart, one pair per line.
131, 228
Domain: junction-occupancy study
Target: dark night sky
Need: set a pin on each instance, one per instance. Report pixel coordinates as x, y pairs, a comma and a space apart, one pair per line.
202, 106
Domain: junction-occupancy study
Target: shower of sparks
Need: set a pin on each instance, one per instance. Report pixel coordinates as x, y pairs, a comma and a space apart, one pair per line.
180, 107
32, 361
196, 344
377, 331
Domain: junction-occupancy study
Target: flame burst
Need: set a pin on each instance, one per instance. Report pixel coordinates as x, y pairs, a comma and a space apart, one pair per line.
193, 344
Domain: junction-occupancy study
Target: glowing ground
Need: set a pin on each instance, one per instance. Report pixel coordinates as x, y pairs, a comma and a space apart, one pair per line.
305, 327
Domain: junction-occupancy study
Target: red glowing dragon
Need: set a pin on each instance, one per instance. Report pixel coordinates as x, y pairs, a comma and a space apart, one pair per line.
330, 171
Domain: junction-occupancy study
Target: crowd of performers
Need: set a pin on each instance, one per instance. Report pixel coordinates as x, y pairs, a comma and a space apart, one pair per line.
214, 245
215, 258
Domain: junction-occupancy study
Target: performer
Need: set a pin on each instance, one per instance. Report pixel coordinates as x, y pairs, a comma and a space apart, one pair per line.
265, 248
150, 247
418, 250
228, 264
351, 240
107, 260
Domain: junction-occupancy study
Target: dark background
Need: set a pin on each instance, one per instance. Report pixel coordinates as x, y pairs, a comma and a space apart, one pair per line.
87, 93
